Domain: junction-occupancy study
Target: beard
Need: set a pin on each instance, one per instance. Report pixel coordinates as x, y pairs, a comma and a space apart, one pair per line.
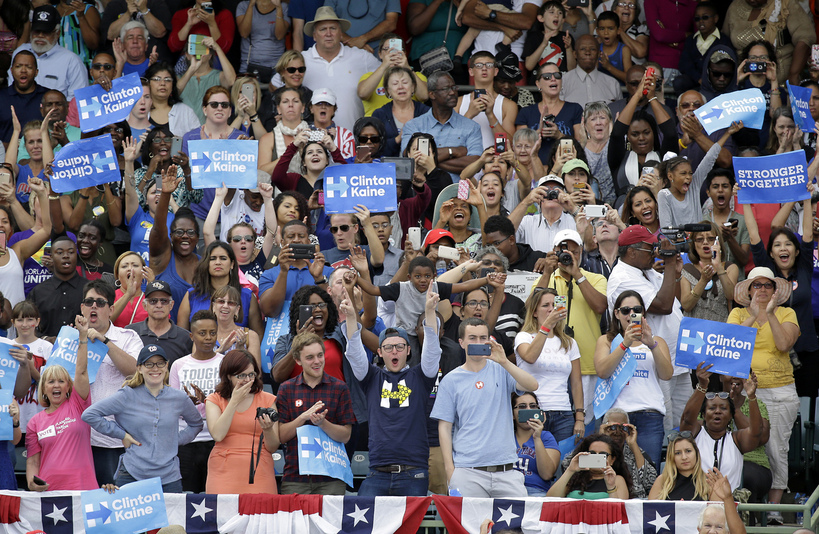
42, 48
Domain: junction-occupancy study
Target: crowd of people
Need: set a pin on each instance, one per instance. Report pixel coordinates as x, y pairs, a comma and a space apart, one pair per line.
397, 324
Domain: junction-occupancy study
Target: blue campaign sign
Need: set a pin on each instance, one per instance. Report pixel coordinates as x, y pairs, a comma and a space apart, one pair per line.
231, 161
6, 422
747, 106
275, 327
319, 454
135, 507
369, 184
8, 367
729, 347
772, 179
606, 390
65, 352
800, 97
98, 107
85, 163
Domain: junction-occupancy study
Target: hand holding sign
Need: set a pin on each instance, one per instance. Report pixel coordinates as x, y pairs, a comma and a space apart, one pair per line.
750, 385
703, 375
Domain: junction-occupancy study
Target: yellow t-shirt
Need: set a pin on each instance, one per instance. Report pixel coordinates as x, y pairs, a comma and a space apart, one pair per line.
379, 97
583, 320
772, 366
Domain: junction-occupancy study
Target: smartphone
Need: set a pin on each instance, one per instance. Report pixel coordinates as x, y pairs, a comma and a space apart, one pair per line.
734, 222
404, 167
423, 145
305, 313
580, 186
38, 480
463, 189
3, 240
560, 302
316, 135
47, 250
578, 3
500, 143
814, 55
362, 151
637, 320
448, 253
548, 118
302, 251
414, 234
478, 349
321, 198
486, 271
395, 44
592, 461
525, 415
649, 77
176, 145
249, 92
566, 147
207, 7
479, 92
755, 67
648, 170
596, 211
195, 46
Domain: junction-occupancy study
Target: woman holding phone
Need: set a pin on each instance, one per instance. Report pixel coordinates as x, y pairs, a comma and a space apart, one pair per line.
273, 144
538, 455
596, 471
707, 283
400, 85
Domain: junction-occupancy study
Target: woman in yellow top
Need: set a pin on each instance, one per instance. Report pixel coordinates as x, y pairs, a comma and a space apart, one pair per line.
763, 294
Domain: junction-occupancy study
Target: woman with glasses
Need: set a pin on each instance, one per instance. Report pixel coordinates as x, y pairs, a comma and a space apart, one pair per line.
756, 54
538, 455
273, 144
633, 33
156, 158
707, 284
167, 108
648, 361
611, 481
400, 85
370, 135
392, 58
226, 303
543, 349
200, 75
683, 478
617, 425
290, 71
553, 117
708, 414
146, 418
763, 294
234, 422
597, 123
131, 271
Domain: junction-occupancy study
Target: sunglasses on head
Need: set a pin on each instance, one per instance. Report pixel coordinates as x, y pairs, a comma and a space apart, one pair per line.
550, 75
294, 70
343, 228
216, 105
626, 310
685, 434
364, 139
714, 394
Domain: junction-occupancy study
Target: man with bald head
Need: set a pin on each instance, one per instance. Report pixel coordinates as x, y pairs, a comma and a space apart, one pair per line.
584, 83
693, 137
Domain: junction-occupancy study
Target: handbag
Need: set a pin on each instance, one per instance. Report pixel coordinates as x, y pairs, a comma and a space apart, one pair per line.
438, 58
263, 74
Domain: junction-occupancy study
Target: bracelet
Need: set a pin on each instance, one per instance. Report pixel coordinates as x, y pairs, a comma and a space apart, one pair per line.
695, 294
576, 211
722, 273
681, 144
701, 389
16, 425
623, 346
750, 399
652, 99
106, 340
53, 197
581, 280
84, 197
654, 346
580, 410
321, 282
774, 91
269, 231
612, 490
495, 125
82, 342
545, 330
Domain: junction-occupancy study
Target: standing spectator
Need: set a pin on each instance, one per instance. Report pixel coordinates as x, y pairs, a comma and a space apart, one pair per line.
214, 22
368, 25
302, 11
508, 65
668, 23
615, 57
260, 45
155, 14
158, 329
290, 71
697, 143
538, 455
431, 23
494, 113
130, 270
719, 71
538, 230
706, 20
102, 72
332, 64
719, 186
597, 121
478, 15
551, 45
79, 28
24, 94
707, 283
633, 31
499, 232
58, 298
166, 106
373, 88
57, 68
61, 132
131, 49
316, 398
584, 83
26, 319
139, 118
201, 76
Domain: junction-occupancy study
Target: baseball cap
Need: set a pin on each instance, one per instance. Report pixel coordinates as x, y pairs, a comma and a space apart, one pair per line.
720, 55
158, 285
45, 19
149, 351
392, 332
323, 95
573, 164
636, 233
551, 178
436, 235
567, 235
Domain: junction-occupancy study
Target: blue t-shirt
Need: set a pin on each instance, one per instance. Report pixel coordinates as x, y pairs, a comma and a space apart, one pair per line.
140, 227
139, 69
198, 303
306, 11
570, 114
23, 190
296, 279
477, 405
527, 464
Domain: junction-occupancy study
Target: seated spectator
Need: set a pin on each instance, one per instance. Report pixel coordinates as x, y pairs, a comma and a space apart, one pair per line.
476, 304
231, 412
131, 49
260, 45
15, 27
538, 230
131, 271
244, 206
368, 132
694, 141
345, 228
315, 155
26, 319
400, 85
708, 281
147, 424
586, 84
89, 247
226, 304
66, 284
508, 65
683, 478
57, 67
34, 136
246, 116
706, 20
604, 249
200, 75
782, 137
643, 472
494, 113
274, 143
24, 94
552, 46
62, 460
290, 71
633, 31
214, 22
323, 108
615, 57
167, 107
140, 220
538, 455
580, 20
60, 131
372, 89
499, 232
154, 14
317, 398
525, 144
289, 206
719, 185
157, 328
428, 170
634, 76
139, 117
461, 218
392, 255
613, 481
719, 71
640, 207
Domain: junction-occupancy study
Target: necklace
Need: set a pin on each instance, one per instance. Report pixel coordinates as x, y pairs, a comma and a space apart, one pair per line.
88, 267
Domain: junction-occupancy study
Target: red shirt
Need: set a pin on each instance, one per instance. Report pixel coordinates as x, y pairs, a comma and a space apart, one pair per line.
224, 20
333, 365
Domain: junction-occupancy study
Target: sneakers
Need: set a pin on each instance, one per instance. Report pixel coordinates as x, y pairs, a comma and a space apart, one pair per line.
775, 518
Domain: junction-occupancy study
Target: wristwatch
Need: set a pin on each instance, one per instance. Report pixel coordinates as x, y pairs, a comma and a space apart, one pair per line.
106, 340
493, 16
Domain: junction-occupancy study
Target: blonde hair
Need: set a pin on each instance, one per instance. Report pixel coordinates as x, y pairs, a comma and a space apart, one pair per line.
236, 90
49, 373
530, 322
137, 379
670, 472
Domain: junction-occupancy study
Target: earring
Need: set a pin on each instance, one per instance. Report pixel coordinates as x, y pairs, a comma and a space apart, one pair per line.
235, 317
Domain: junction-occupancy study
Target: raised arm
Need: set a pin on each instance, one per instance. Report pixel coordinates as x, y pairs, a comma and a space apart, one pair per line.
81, 384
689, 420
209, 228
130, 149
159, 244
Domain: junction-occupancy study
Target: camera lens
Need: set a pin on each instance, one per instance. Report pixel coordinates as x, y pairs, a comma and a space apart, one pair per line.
565, 258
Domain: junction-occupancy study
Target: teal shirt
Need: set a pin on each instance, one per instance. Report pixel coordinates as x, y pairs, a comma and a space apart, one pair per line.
433, 36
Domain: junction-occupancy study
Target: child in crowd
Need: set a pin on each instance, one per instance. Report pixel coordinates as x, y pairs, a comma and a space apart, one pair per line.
556, 47
26, 319
615, 57
503, 6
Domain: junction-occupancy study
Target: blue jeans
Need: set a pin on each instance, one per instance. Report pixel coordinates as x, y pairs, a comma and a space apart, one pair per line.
650, 433
560, 424
124, 477
413, 482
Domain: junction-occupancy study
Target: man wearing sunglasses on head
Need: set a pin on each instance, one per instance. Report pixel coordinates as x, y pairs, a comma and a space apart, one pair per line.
158, 329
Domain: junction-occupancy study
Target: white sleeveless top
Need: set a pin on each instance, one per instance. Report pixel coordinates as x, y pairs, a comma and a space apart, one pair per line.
729, 455
11, 278
487, 137
643, 391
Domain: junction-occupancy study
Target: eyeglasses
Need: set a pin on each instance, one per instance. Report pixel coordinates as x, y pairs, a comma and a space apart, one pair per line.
637, 247
364, 139
248, 238
626, 310
685, 434
190, 232
701, 17
476, 303
159, 140
531, 406
102, 66
155, 301
727, 75
499, 241
294, 70
550, 75
759, 58
488, 65
624, 4
320, 306
222, 302
397, 346
614, 428
159, 365
489, 263
379, 226
711, 395
101, 303
691, 105
447, 89
244, 376
112, 129
760, 285
216, 105
159, 79
343, 228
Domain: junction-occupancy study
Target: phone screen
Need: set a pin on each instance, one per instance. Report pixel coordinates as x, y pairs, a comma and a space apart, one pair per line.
249, 92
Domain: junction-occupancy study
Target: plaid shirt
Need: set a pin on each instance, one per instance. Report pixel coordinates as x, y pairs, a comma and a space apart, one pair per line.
296, 397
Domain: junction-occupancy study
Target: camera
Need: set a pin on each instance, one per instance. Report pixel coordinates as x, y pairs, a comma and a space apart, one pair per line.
678, 238
564, 257
270, 412
552, 194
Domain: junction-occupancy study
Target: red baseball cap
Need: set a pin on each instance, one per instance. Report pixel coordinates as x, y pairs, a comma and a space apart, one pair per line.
636, 233
436, 235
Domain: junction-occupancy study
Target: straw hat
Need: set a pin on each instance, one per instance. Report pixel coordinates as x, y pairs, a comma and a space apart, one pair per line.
742, 291
325, 13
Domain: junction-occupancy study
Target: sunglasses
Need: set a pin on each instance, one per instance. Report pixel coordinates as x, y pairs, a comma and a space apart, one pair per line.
727, 75
760, 285
222, 302
550, 75
158, 79
101, 303
364, 139
686, 434
626, 310
102, 66
294, 70
343, 228
711, 395
238, 238
215, 105
154, 302
159, 365
190, 232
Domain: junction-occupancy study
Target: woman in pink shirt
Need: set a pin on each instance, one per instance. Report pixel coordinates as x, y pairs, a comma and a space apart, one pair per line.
58, 442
